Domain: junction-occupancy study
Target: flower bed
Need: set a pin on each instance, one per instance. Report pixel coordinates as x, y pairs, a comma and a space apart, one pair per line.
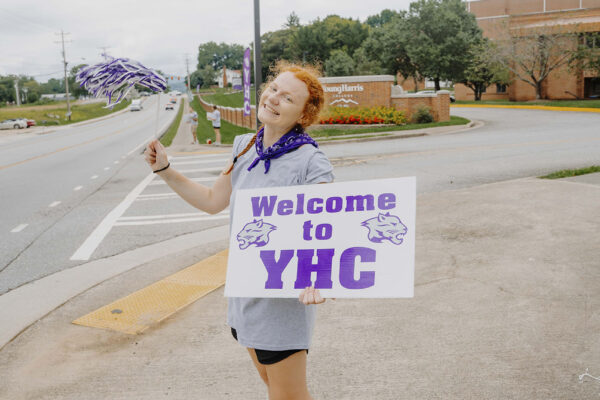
363, 116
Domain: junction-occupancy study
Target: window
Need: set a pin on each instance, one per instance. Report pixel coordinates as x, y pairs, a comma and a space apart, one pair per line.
500, 88
591, 40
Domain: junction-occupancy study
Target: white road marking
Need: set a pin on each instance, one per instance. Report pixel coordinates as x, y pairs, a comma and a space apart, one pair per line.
19, 228
158, 195
214, 160
94, 177
180, 215
204, 179
116, 162
141, 144
54, 204
106, 168
172, 221
76, 188
211, 169
91, 243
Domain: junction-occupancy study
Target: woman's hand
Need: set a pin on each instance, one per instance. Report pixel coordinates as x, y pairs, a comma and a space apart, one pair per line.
156, 155
310, 295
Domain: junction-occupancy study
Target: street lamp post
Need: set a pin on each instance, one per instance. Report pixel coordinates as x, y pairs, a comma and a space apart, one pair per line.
257, 57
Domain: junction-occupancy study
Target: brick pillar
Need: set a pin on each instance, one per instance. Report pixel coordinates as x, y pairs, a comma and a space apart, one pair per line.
253, 118
444, 105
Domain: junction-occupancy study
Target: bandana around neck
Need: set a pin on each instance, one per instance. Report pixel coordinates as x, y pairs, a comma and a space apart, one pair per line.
288, 142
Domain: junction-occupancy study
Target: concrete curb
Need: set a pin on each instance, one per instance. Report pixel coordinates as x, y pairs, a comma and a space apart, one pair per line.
548, 108
18, 312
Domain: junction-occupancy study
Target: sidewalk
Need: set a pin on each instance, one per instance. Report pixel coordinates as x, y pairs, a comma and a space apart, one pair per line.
506, 306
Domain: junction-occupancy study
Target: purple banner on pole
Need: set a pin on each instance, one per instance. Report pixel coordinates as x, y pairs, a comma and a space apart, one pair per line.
247, 82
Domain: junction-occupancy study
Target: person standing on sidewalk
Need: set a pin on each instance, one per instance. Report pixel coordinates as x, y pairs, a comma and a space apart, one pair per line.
193, 120
215, 116
277, 332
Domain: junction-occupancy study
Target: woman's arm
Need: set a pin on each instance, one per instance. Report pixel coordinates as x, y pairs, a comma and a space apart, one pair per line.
211, 200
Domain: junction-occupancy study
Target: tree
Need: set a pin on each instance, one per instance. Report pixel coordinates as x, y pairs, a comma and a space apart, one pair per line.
220, 55
388, 45
378, 20
208, 76
292, 21
74, 88
441, 34
314, 42
339, 64
275, 46
532, 54
366, 65
196, 79
483, 69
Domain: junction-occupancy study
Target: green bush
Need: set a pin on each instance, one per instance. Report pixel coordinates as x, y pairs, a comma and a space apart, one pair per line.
422, 115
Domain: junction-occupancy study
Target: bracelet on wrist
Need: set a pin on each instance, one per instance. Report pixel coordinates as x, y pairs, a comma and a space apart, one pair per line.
162, 169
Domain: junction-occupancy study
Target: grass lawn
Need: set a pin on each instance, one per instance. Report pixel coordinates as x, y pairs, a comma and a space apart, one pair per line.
550, 103
205, 130
235, 100
167, 138
566, 173
324, 131
46, 113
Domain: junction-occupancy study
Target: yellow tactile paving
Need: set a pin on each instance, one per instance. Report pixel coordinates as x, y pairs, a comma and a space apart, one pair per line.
138, 311
578, 109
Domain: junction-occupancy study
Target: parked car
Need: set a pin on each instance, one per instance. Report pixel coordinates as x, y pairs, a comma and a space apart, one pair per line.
30, 122
170, 106
13, 124
144, 94
173, 100
452, 98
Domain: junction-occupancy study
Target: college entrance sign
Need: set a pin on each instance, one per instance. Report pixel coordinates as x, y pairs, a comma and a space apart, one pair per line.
349, 239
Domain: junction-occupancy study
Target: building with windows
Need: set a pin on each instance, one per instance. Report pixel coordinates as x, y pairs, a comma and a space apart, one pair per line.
524, 19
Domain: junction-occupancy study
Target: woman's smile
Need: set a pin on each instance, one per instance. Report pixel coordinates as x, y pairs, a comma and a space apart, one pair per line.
270, 109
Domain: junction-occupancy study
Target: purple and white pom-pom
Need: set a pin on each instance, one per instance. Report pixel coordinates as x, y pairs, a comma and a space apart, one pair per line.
116, 77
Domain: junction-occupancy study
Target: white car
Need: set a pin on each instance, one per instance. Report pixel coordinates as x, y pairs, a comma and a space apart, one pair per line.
136, 105
13, 124
452, 98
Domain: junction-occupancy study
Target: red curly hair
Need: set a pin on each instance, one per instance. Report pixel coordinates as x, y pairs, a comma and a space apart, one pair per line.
308, 74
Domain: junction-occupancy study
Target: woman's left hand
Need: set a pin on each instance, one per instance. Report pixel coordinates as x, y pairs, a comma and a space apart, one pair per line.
310, 295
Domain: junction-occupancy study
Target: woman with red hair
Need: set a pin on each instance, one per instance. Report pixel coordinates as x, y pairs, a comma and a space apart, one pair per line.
277, 332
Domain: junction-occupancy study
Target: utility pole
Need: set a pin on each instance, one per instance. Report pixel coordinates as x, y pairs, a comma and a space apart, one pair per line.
257, 56
187, 68
17, 92
62, 35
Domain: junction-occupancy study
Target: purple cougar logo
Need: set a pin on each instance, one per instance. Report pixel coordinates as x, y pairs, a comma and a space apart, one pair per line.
385, 227
255, 232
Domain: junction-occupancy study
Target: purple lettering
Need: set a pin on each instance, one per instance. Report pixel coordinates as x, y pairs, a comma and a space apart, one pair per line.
323, 231
386, 201
359, 201
285, 207
322, 268
310, 206
275, 268
300, 204
306, 230
347, 266
262, 206
334, 204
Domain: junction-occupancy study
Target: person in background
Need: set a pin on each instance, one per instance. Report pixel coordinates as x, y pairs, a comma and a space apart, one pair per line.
215, 116
192, 118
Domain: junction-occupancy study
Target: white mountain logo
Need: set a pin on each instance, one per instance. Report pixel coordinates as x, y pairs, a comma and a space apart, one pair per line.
346, 101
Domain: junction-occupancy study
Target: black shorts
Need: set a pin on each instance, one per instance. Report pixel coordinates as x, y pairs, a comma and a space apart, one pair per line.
268, 357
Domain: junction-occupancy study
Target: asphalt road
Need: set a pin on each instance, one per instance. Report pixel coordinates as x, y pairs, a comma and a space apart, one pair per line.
56, 187
47, 169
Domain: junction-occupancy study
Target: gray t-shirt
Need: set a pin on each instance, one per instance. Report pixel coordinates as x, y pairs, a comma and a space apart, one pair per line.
268, 323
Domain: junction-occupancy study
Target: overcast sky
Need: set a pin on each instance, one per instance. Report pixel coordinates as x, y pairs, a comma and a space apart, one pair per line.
156, 33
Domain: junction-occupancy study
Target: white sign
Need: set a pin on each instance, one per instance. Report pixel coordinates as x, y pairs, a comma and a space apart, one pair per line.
348, 239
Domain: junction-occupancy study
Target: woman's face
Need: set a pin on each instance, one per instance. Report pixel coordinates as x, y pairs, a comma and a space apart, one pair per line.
282, 102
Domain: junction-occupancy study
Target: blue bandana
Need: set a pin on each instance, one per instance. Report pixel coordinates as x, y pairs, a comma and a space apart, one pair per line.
288, 142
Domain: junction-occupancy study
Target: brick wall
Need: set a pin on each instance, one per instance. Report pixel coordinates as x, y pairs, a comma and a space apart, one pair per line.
438, 104
358, 91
